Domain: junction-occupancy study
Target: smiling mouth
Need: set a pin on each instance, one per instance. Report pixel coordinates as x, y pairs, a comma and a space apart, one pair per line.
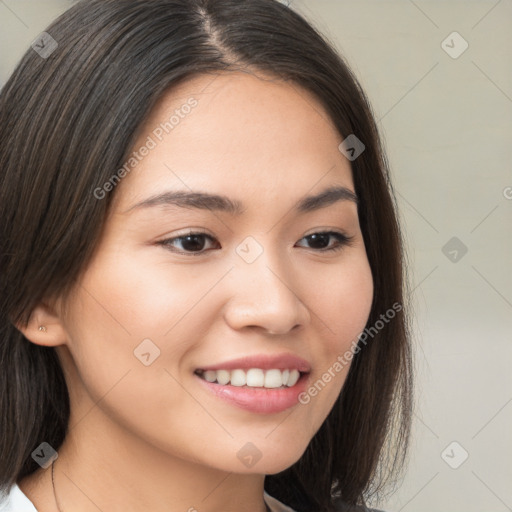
252, 378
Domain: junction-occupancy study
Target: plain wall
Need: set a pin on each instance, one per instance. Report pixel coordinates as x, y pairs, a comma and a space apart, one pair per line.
447, 124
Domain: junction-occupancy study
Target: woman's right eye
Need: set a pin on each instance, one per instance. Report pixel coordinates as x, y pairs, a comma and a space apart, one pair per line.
192, 243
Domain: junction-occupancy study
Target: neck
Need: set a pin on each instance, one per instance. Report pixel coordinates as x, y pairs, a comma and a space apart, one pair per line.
101, 466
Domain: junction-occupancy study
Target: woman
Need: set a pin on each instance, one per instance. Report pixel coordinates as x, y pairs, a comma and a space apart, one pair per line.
201, 267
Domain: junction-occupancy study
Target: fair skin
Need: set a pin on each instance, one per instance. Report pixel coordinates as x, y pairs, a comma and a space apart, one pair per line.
153, 437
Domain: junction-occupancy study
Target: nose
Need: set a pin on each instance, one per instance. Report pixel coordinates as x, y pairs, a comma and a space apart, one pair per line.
263, 297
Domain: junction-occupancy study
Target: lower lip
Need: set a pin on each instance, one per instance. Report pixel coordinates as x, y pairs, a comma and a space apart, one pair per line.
259, 400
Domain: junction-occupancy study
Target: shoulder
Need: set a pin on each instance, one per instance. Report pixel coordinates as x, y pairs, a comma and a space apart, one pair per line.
274, 505
277, 506
16, 501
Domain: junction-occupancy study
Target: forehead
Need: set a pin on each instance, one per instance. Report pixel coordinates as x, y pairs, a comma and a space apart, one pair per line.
237, 134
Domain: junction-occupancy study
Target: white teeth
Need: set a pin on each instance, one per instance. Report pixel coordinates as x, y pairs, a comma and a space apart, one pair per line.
210, 375
293, 377
222, 376
273, 379
238, 378
254, 378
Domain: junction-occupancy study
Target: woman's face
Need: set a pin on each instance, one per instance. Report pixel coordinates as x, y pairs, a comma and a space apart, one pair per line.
154, 307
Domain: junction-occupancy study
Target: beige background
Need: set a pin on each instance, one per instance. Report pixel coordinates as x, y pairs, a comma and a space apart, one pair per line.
447, 124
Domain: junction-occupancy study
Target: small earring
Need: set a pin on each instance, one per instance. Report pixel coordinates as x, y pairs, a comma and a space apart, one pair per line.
42, 328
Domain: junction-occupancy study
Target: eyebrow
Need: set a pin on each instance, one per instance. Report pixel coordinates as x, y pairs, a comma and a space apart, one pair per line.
215, 202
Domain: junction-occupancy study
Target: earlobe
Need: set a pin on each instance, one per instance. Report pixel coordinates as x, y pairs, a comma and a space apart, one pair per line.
44, 327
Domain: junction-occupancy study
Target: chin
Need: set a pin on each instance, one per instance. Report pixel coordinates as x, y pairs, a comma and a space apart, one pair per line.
271, 464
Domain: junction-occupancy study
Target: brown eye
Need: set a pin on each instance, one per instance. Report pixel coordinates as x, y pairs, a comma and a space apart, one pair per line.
320, 241
193, 243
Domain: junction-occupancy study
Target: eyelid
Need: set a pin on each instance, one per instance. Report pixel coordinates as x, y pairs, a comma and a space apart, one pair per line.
326, 229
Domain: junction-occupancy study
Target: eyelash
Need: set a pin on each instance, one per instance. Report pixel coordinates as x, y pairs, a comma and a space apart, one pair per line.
343, 240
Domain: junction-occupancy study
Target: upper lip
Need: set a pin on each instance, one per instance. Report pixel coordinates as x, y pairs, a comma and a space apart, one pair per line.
263, 361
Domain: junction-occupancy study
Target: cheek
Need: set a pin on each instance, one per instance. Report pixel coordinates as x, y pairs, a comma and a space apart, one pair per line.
113, 315
131, 311
341, 306
140, 297
340, 302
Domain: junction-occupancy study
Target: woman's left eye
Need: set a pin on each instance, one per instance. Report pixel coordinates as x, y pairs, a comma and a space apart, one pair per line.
194, 243
324, 236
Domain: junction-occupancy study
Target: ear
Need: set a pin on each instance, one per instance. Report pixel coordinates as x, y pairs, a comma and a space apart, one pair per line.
44, 327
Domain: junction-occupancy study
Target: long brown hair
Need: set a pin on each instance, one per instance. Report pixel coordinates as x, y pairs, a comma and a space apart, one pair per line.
68, 120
